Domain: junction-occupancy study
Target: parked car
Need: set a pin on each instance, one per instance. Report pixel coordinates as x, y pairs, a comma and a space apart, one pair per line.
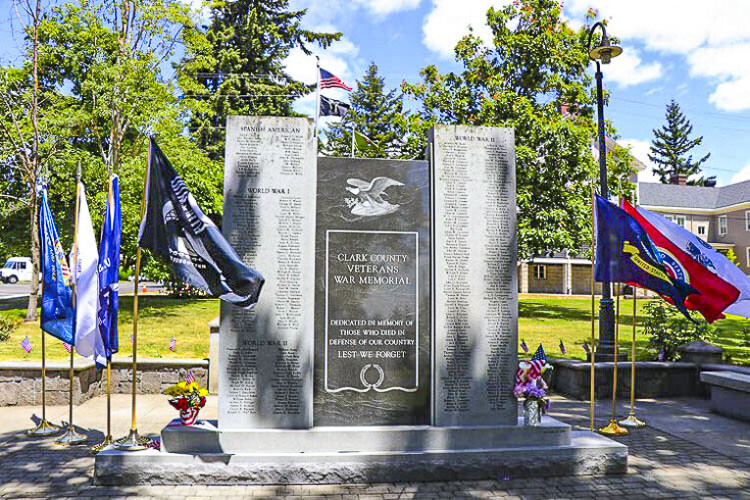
16, 269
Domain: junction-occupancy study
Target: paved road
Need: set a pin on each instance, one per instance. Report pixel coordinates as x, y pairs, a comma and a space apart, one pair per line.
687, 452
7, 290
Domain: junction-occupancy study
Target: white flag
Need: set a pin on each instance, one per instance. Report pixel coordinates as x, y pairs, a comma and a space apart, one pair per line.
86, 277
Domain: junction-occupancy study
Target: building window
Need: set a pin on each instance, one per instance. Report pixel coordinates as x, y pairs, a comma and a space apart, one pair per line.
722, 225
680, 220
702, 230
747, 251
669, 218
540, 272
747, 220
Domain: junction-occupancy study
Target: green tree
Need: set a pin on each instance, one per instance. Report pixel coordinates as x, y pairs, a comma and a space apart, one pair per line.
379, 115
670, 145
25, 138
236, 65
109, 56
536, 66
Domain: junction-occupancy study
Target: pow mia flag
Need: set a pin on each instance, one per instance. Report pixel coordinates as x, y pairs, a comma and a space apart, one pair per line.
176, 229
332, 107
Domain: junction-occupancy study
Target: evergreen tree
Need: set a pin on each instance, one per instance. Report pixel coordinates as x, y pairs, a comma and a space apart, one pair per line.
670, 145
235, 65
379, 115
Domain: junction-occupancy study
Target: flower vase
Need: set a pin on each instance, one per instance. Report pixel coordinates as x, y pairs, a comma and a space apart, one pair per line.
532, 412
189, 416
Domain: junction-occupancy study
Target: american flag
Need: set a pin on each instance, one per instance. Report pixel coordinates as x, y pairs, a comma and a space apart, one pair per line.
330, 81
66, 346
661, 355
586, 347
562, 347
172, 343
190, 378
26, 344
524, 346
537, 362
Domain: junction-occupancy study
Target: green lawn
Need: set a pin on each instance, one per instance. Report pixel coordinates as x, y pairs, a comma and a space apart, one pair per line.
549, 319
159, 319
542, 319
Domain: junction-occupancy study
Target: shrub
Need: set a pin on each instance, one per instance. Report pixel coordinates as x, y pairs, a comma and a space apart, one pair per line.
7, 327
667, 332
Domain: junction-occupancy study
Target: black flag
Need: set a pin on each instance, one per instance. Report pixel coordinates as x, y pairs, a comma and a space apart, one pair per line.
332, 107
176, 229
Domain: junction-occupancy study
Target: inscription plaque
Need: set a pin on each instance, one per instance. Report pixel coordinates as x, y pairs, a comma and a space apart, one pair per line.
372, 292
476, 305
266, 356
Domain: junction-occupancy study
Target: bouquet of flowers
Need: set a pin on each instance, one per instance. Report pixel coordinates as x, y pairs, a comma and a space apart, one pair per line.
531, 386
534, 394
188, 398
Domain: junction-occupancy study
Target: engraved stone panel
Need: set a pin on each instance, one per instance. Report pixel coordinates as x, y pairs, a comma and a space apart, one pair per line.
475, 290
266, 354
372, 292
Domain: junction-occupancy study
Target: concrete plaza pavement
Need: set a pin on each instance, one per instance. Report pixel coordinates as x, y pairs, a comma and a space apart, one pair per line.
686, 452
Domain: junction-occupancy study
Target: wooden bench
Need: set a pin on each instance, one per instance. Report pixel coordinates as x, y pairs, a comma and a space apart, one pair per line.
730, 393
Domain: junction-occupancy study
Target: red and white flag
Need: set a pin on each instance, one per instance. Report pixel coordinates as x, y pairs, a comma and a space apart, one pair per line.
329, 81
692, 260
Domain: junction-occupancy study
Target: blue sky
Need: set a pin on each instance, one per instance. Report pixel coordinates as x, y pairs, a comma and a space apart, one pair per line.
688, 50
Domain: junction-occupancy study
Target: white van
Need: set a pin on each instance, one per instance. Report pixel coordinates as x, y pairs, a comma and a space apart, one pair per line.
16, 269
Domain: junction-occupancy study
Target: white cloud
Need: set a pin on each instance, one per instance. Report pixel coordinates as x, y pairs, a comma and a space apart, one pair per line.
629, 69
640, 150
301, 66
713, 39
727, 66
382, 8
742, 175
449, 20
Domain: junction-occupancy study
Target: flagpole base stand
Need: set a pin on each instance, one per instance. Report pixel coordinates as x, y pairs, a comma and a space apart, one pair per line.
632, 422
99, 447
133, 442
71, 438
44, 429
612, 429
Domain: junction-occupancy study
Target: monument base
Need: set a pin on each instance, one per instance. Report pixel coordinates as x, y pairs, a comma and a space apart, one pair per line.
364, 455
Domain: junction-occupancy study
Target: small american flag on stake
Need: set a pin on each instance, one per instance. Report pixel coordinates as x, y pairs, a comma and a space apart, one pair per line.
562, 347
66, 346
172, 343
330, 81
190, 378
524, 346
26, 344
586, 347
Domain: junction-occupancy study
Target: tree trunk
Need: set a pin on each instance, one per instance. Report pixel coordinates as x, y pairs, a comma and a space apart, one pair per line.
35, 257
34, 171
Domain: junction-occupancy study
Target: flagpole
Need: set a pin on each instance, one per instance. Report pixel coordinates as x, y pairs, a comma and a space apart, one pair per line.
613, 428
317, 94
592, 375
71, 437
352, 137
133, 441
108, 437
44, 428
632, 421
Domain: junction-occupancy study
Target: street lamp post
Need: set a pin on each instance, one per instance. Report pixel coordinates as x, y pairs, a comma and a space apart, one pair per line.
604, 52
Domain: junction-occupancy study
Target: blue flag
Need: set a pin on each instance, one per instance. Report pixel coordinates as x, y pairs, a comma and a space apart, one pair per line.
57, 295
109, 271
626, 254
